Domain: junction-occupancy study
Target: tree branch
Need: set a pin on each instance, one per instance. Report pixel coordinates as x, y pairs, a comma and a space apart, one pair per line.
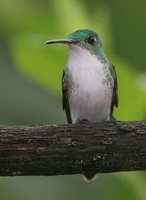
72, 149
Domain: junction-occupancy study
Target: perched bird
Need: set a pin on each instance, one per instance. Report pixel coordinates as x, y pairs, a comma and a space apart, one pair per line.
89, 81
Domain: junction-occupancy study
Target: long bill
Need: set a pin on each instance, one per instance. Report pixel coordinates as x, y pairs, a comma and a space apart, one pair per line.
64, 41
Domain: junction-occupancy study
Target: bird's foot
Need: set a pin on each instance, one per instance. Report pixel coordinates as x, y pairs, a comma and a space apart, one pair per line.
112, 119
83, 121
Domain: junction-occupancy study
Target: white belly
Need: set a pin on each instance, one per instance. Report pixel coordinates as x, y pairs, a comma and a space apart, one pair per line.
94, 106
91, 95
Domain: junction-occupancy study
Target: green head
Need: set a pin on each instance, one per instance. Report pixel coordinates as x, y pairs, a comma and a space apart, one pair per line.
86, 39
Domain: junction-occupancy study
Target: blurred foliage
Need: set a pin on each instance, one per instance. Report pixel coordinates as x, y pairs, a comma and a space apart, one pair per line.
30, 81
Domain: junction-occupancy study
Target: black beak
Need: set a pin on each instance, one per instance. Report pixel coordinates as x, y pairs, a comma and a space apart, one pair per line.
64, 41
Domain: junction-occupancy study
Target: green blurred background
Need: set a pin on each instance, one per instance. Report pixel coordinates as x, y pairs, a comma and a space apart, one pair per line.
30, 82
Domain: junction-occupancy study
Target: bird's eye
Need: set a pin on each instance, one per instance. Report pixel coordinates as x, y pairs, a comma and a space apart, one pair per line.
91, 40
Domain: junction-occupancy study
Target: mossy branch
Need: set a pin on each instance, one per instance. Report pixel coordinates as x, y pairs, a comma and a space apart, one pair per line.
72, 149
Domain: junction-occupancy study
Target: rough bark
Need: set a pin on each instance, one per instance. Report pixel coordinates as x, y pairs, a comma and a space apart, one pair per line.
72, 149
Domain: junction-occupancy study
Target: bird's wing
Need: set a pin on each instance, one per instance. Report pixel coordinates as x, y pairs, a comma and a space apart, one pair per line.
115, 100
65, 97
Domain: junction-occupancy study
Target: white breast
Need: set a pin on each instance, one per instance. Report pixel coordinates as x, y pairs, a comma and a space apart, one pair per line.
91, 96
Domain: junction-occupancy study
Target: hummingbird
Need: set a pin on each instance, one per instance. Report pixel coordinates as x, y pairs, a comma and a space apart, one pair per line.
89, 81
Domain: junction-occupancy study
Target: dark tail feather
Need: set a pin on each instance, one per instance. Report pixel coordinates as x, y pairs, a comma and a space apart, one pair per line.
89, 177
